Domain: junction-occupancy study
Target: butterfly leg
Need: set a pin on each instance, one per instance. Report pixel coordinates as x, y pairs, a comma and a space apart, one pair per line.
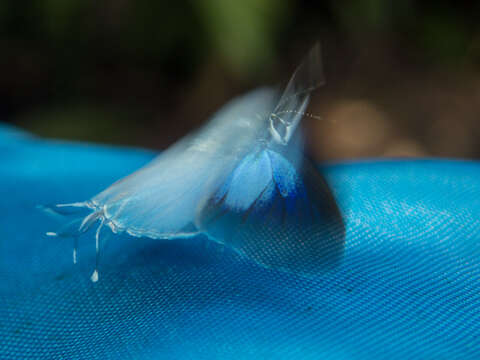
100, 242
70, 230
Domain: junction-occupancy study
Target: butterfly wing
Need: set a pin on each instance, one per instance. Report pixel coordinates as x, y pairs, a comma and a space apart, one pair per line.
279, 216
160, 200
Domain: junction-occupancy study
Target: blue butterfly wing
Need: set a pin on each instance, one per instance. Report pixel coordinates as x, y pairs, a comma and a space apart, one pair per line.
277, 215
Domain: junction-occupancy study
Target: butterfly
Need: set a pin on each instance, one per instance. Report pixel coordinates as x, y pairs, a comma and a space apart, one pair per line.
242, 180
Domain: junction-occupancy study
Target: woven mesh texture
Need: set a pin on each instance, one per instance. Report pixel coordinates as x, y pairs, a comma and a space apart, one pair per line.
407, 287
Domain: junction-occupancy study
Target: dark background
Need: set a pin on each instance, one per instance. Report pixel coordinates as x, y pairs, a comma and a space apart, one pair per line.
403, 77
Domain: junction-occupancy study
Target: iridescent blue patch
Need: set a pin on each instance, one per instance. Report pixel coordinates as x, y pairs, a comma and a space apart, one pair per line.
280, 217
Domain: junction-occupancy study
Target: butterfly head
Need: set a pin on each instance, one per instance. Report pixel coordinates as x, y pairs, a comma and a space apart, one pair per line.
280, 130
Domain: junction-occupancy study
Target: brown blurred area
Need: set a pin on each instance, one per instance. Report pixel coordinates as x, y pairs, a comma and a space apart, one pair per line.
403, 77
395, 111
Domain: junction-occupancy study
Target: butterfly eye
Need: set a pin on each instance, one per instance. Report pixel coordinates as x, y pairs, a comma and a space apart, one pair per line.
279, 130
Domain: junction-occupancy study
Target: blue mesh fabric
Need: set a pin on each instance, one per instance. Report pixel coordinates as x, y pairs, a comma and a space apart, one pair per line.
408, 286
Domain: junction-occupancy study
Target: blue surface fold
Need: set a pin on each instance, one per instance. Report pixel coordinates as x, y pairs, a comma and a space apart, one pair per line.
407, 286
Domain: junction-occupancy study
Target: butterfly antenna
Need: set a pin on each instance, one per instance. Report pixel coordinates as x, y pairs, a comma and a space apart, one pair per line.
303, 113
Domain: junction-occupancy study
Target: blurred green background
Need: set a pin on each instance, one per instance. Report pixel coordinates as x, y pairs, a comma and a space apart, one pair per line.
403, 77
